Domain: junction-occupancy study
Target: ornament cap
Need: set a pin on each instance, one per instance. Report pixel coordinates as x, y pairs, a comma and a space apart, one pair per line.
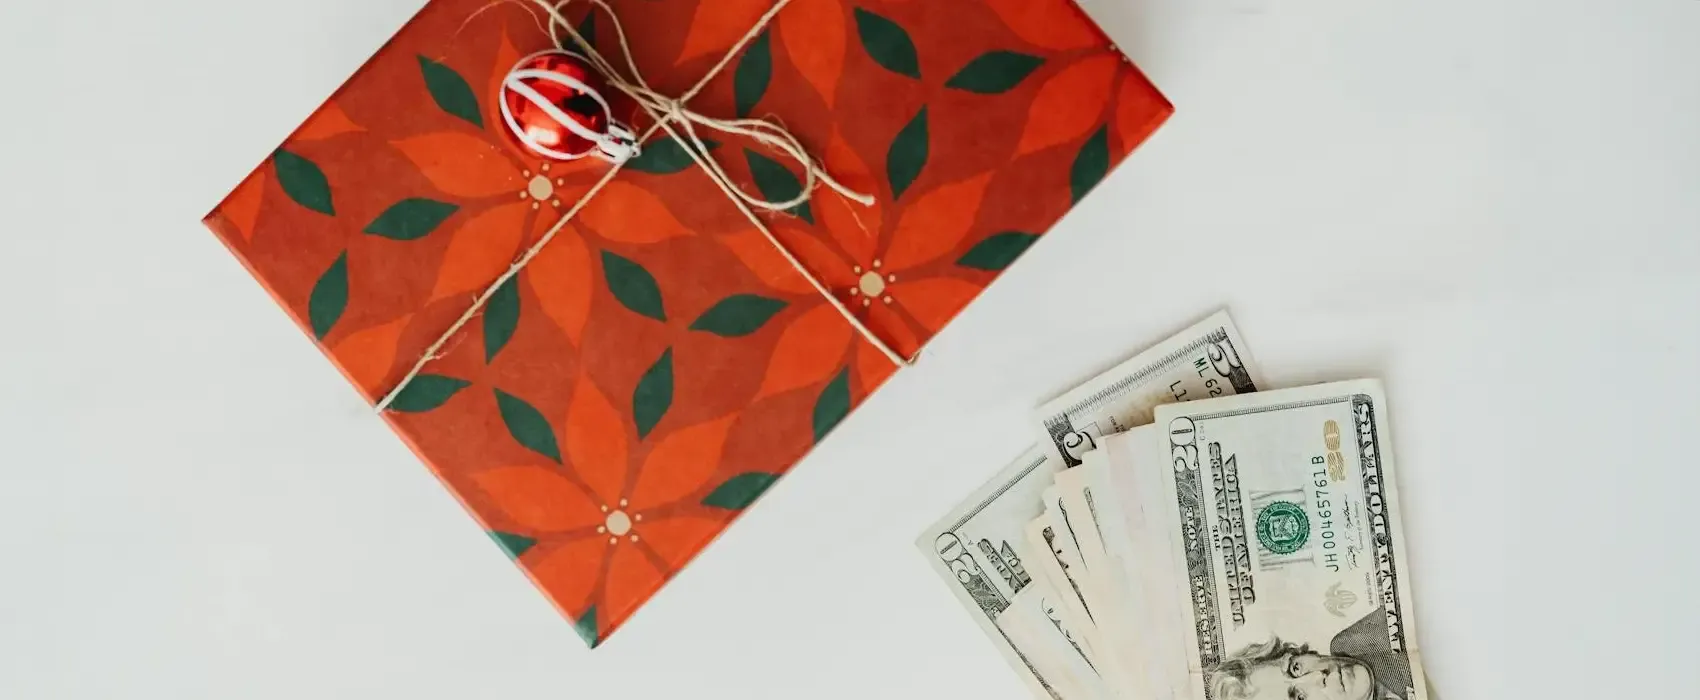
619, 144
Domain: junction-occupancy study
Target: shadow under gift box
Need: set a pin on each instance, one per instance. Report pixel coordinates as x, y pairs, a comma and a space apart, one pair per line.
659, 363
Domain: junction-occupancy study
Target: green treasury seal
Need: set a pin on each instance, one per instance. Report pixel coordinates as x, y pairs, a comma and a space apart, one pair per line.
1283, 527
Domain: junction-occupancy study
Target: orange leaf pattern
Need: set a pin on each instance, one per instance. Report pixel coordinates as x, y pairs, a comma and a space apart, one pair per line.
1069, 104
719, 24
480, 250
891, 327
815, 252
872, 366
560, 276
632, 578
504, 60
681, 462
537, 499
676, 537
367, 355
1139, 109
1052, 24
855, 226
327, 122
570, 570
814, 35
461, 165
936, 223
804, 356
242, 208
630, 214
596, 442
757, 253
934, 301
533, 412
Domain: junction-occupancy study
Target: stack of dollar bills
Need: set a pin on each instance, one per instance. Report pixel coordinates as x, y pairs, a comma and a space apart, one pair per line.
1182, 531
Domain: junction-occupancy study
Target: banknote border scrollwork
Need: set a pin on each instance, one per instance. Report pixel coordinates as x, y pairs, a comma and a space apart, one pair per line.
1059, 425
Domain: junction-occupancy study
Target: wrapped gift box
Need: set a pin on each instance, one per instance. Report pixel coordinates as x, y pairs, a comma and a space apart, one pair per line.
659, 363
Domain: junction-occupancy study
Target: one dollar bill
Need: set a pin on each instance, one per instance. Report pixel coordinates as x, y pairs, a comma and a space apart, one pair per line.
1296, 579
1207, 360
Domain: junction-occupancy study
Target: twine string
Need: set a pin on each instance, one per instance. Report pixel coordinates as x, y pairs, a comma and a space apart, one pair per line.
668, 112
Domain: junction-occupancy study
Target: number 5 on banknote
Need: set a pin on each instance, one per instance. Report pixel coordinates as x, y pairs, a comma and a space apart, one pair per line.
1205, 361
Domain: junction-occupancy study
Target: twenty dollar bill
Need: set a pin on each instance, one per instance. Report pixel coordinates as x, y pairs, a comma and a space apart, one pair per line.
1296, 579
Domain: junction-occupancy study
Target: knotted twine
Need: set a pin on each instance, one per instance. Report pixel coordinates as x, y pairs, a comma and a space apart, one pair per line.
668, 113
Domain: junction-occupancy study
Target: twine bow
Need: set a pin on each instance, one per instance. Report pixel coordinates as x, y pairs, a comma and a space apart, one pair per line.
672, 115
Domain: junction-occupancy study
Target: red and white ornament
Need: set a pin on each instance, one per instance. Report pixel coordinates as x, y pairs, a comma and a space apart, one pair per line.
553, 105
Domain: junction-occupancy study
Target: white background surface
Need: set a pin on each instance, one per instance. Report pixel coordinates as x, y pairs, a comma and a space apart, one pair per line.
1492, 204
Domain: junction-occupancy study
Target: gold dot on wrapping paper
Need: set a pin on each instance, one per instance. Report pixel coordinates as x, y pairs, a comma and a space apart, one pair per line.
525, 173
545, 167
604, 509
618, 523
536, 205
638, 517
622, 503
877, 264
867, 302
560, 181
540, 188
886, 300
871, 284
634, 538
613, 540
601, 529
557, 203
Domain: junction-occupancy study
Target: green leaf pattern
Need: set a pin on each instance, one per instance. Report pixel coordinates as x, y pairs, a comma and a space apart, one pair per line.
664, 155
888, 44
1091, 164
303, 181
411, 219
994, 72
514, 545
740, 491
451, 91
833, 405
755, 69
738, 315
908, 155
654, 395
329, 298
633, 286
427, 392
586, 29
585, 626
997, 251
777, 183
501, 318
528, 426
